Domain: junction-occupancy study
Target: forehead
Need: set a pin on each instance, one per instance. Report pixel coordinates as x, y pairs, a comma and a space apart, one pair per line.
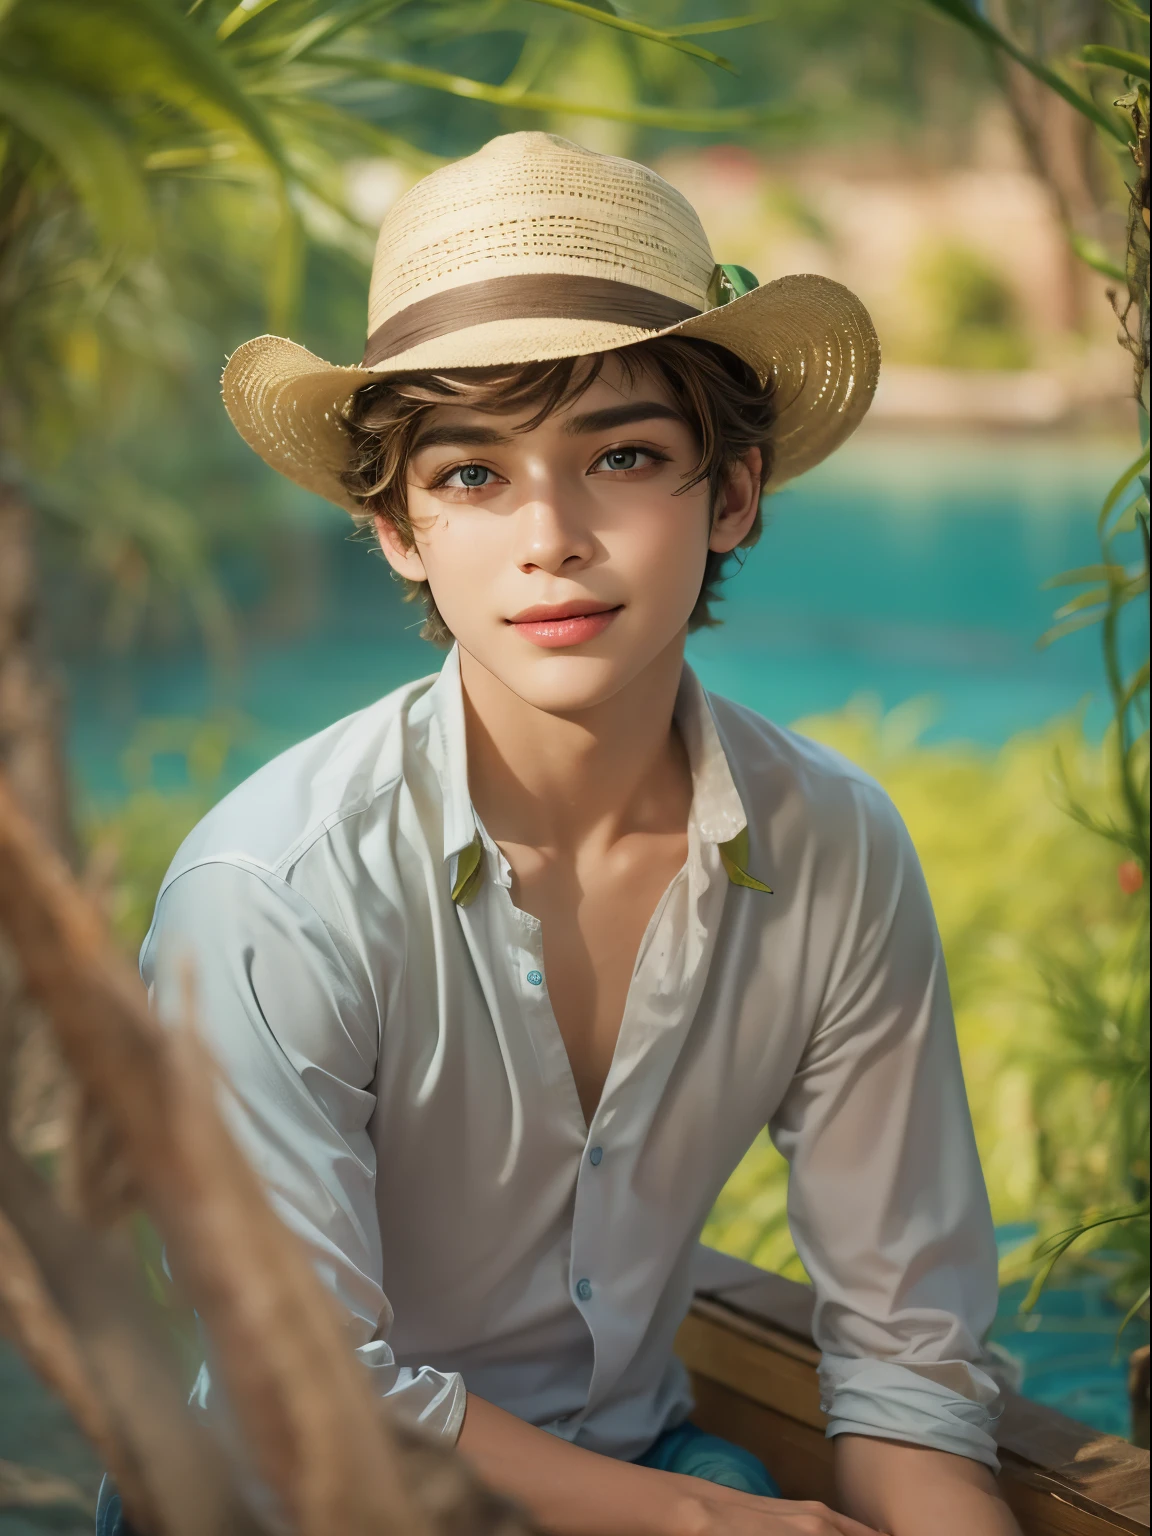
614, 385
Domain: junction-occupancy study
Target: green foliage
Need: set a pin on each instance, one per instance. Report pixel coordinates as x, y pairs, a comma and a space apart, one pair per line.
1121, 59
973, 19
1127, 56
1039, 936
1099, 996
132, 845
163, 172
976, 318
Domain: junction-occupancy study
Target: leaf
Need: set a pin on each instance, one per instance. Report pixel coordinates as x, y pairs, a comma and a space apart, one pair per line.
636, 28
91, 155
304, 40
1133, 1310
1056, 1247
686, 121
239, 15
1093, 254
722, 24
1113, 496
1070, 626
1126, 8
1135, 686
1116, 58
360, 133
1094, 597
1130, 516
1109, 573
286, 268
133, 47
961, 11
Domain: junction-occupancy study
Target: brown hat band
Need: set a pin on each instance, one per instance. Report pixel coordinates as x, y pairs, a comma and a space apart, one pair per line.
530, 296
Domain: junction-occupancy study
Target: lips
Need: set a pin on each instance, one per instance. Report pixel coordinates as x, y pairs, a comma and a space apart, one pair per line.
554, 626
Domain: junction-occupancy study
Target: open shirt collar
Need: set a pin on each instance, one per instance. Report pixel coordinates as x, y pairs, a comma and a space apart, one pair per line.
717, 811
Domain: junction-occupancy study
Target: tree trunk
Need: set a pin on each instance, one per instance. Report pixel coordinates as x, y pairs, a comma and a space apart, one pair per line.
31, 726
1138, 1378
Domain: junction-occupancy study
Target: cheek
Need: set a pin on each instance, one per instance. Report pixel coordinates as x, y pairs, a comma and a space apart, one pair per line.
451, 541
464, 559
665, 545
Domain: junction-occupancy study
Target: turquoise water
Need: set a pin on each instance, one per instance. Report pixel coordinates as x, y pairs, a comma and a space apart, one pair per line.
905, 567
1067, 1352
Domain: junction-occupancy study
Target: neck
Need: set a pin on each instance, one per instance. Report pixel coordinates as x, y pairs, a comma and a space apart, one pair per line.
554, 780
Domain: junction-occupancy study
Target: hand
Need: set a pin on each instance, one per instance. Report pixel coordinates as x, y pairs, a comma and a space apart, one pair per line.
711, 1510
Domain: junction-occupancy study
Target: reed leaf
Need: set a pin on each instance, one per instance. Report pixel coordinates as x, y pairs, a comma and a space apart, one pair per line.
975, 22
669, 39
719, 120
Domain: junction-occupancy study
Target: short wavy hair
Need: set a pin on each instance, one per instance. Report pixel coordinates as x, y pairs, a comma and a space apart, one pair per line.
728, 407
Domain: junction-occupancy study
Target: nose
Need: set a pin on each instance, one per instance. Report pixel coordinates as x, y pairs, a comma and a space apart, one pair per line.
551, 536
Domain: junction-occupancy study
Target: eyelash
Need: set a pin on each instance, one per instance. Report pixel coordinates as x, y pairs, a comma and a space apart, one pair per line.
654, 454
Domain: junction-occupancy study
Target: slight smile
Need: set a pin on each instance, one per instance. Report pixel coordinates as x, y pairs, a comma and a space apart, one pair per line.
562, 624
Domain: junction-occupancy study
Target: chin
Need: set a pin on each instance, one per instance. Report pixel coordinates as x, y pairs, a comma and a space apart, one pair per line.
567, 681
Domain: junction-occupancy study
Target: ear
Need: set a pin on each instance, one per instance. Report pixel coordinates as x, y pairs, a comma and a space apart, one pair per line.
404, 561
738, 504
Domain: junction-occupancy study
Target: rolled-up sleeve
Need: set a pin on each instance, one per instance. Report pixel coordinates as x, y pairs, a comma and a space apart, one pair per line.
286, 1008
887, 1202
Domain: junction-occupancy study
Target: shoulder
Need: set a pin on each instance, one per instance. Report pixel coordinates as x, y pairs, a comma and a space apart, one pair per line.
306, 795
788, 782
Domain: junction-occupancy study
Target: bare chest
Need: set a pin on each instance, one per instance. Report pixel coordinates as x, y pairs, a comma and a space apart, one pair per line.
593, 917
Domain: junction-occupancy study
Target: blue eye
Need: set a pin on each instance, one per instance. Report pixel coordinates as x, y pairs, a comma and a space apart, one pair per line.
621, 458
470, 476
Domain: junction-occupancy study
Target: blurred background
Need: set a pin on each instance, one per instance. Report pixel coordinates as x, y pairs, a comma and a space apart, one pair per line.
177, 177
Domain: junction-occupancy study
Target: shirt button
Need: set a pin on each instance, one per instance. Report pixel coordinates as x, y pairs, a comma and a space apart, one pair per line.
534, 978
595, 1155
584, 1290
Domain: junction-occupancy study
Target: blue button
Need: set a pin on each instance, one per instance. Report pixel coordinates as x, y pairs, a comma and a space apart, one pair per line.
534, 978
584, 1290
595, 1155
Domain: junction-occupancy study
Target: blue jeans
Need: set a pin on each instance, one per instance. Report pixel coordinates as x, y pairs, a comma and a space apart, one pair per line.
110, 1520
686, 1450
692, 1453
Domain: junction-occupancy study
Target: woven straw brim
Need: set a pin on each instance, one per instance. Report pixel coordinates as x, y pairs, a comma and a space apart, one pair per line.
812, 335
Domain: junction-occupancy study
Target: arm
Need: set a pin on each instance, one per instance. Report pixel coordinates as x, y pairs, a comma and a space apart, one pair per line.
887, 1201
909, 1489
569, 1491
286, 1010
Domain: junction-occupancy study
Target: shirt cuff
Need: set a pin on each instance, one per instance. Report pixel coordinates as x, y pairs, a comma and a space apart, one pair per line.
425, 1398
947, 1405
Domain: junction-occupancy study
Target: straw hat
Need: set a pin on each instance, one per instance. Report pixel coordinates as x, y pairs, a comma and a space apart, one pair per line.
534, 248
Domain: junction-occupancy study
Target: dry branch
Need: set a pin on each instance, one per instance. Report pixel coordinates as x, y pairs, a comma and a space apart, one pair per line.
37, 1326
296, 1391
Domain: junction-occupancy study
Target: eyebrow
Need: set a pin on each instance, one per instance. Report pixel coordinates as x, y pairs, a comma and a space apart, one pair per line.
622, 416
448, 436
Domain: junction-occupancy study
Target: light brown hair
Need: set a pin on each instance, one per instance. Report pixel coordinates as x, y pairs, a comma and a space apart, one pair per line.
721, 397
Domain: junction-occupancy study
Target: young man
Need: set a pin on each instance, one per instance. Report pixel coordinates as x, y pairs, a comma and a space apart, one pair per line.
506, 971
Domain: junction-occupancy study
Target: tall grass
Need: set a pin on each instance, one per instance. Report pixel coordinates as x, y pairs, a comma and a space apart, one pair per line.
1042, 922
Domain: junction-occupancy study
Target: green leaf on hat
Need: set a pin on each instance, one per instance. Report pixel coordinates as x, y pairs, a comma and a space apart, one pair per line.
730, 282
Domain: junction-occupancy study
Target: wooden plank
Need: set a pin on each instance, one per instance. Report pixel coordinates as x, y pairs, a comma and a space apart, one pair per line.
756, 1370
1100, 1478
800, 1459
1043, 1508
1109, 1472
745, 1359
770, 1299
797, 1455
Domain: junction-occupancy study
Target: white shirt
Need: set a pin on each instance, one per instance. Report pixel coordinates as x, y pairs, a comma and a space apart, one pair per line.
398, 1079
